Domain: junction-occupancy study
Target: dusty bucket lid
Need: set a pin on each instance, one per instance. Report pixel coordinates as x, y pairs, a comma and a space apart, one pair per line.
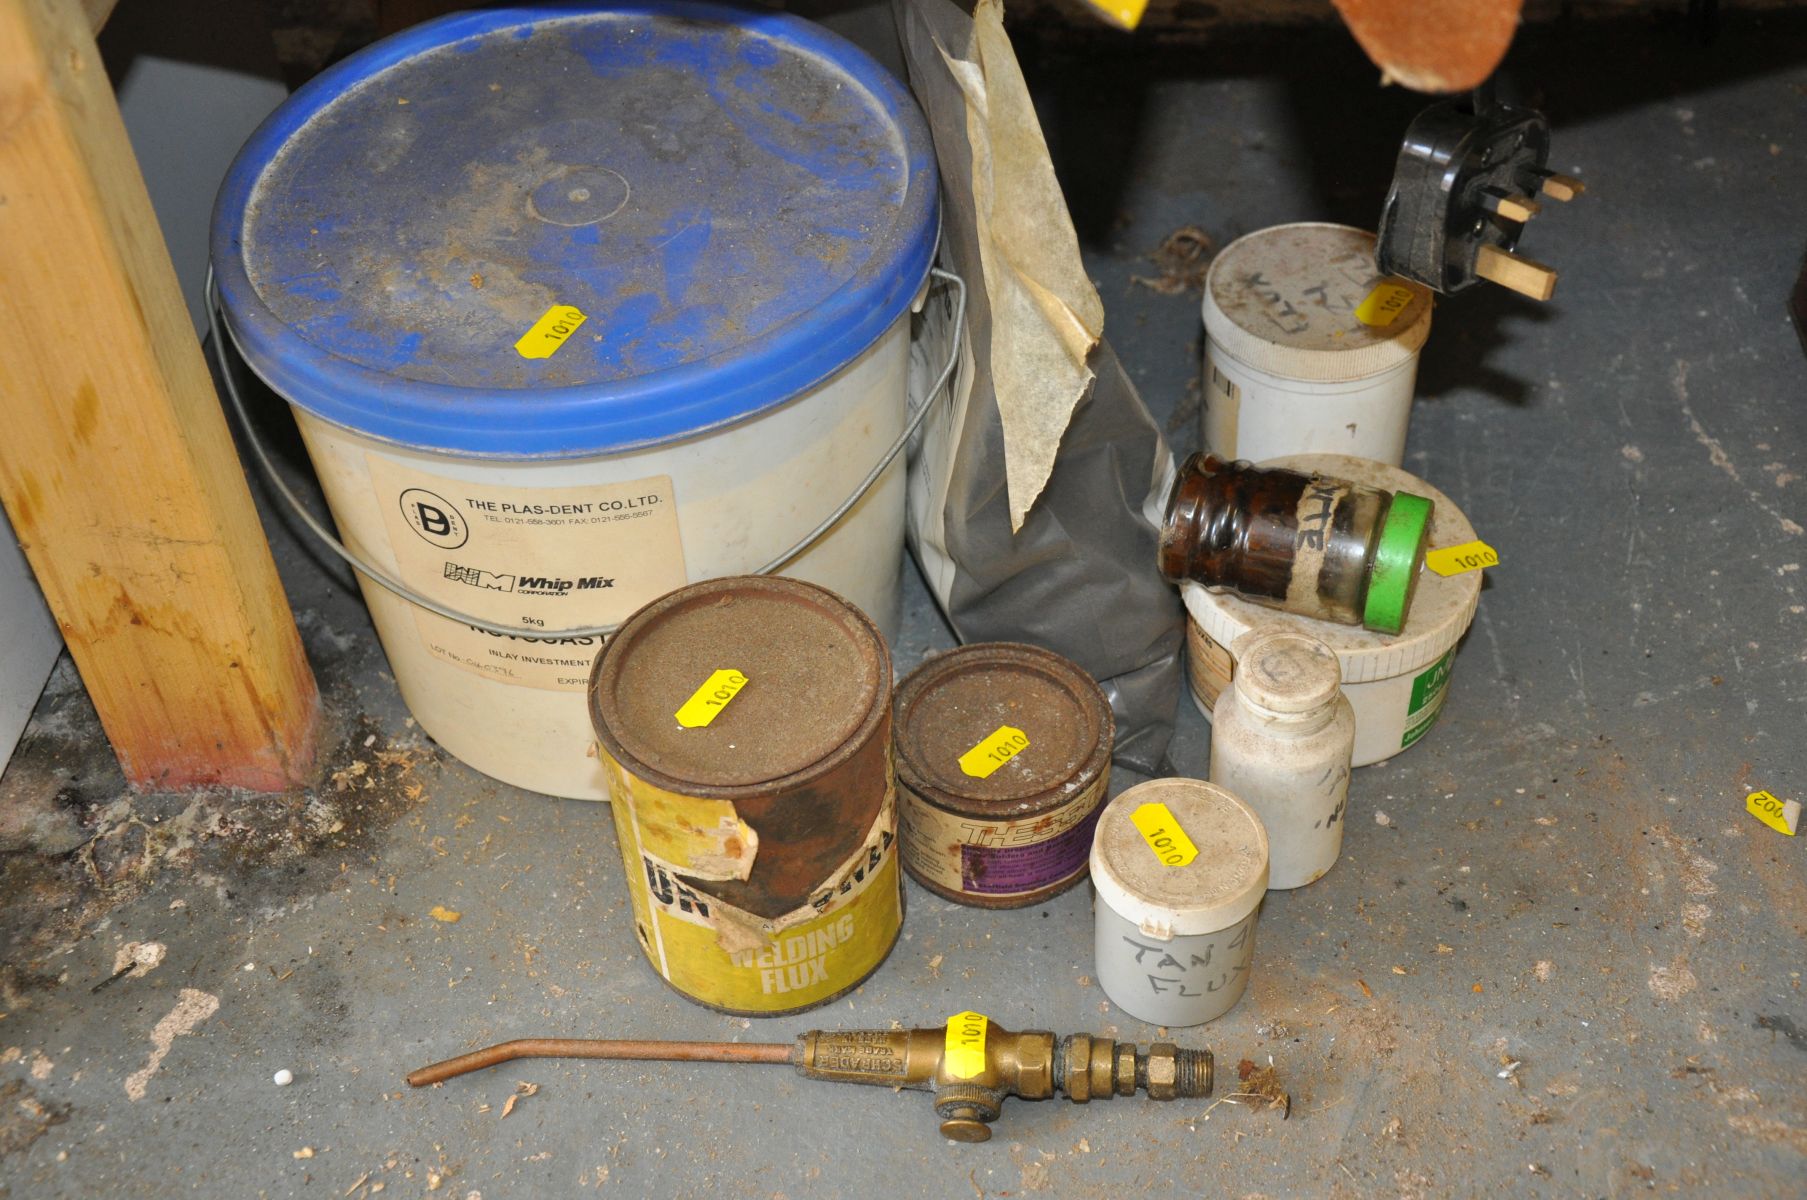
1306, 302
1441, 608
954, 701
817, 677
1222, 883
739, 202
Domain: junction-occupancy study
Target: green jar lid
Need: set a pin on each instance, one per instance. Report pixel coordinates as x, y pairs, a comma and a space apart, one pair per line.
1399, 554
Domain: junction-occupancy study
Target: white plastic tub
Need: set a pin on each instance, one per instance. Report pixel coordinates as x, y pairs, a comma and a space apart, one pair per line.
1180, 867
1308, 347
576, 307
1395, 683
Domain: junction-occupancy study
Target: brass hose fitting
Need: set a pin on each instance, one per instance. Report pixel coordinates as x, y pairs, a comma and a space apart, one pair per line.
970, 1088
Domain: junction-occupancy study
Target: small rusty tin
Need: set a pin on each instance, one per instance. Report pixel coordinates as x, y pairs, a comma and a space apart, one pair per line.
760, 847
1022, 832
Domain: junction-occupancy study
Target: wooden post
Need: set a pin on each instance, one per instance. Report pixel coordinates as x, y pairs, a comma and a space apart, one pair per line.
116, 465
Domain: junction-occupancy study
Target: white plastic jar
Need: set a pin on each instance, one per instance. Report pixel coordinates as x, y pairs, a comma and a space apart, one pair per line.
1180, 867
1396, 683
1308, 347
1282, 737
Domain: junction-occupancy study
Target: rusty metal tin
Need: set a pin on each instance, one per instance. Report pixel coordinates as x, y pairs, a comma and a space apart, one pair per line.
759, 847
1022, 832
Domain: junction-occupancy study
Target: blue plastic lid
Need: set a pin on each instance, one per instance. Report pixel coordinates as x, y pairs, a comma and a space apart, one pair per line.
740, 203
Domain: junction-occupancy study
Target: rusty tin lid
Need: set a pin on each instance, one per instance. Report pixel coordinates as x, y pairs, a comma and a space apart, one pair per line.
818, 676
954, 701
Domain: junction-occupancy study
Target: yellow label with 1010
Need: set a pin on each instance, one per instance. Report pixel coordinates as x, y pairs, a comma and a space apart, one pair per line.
964, 1052
550, 331
998, 748
710, 699
1163, 834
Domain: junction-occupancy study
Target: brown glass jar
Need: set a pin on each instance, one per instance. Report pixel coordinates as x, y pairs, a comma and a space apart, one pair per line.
1310, 544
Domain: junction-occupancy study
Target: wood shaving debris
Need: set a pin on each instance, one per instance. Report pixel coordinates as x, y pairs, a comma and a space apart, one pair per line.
362, 1180
305, 1152
522, 1090
935, 967
1259, 1084
1184, 257
1366, 990
440, 912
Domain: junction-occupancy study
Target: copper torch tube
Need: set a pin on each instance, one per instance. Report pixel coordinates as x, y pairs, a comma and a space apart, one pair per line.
489, 1056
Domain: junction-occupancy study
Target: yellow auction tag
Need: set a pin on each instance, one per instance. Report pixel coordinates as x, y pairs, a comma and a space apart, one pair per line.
1003, 744
964, 1053
1469, 556
710, 699
1783, 816
550, 331
1383, 304
1127, 13
1163, 834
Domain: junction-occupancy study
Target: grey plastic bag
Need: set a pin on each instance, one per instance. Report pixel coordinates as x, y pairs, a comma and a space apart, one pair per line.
1034, 493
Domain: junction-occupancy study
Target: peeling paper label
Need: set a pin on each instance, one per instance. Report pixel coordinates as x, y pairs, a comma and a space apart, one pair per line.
730, 958
705, 839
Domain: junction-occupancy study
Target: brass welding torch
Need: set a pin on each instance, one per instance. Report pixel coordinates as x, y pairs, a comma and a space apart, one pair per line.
971, 1065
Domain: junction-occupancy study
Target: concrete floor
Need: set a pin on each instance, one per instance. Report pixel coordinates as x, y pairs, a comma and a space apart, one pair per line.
1561, 875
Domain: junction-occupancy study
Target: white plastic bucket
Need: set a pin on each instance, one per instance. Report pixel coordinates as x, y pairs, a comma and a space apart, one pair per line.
1309, 349
1395, 683
728, 502
572, 308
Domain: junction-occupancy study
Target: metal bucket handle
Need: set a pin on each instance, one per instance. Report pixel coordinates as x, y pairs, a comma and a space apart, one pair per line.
378, 575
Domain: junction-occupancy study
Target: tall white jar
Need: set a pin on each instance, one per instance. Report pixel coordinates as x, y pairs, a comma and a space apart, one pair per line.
1282, 737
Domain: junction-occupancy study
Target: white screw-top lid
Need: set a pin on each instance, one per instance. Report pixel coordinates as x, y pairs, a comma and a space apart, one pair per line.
1216, 888
1287, 672
1442, 607
1290, 300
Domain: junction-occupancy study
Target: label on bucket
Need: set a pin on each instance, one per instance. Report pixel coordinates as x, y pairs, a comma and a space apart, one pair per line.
1163, 834
1001, 857
534, 557
711, 698
999, 747
550, 331
1428, 690
963, 1053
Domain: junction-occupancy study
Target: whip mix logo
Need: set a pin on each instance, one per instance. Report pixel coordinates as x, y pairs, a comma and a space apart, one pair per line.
529, 585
